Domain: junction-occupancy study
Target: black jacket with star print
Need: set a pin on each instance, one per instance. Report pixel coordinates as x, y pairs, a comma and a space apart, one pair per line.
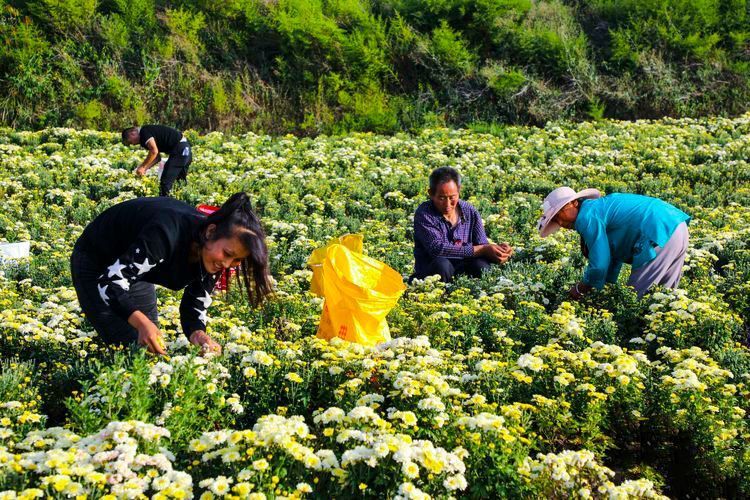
149, 239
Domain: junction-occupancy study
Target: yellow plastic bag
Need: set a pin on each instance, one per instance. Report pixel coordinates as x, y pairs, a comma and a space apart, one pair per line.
359, 291
351, 241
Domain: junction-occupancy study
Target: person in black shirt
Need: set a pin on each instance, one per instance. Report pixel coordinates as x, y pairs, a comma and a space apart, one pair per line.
133, 245
159, 139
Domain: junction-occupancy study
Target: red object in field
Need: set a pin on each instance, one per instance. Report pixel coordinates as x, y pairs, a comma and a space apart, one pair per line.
223, 282
206, 209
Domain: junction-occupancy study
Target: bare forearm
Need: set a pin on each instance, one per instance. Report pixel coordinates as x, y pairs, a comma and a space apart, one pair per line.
139, 321
156, 160
151, 159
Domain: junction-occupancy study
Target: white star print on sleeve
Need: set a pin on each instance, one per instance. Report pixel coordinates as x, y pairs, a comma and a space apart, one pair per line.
116, 269
123, 283
195, 302
144, 266
206, 300
103, 293
202, 315
114, 284
154, 244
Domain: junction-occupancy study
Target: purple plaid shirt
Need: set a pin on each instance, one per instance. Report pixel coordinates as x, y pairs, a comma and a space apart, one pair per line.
434, 236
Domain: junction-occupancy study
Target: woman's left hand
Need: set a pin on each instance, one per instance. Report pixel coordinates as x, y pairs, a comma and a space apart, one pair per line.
207, 344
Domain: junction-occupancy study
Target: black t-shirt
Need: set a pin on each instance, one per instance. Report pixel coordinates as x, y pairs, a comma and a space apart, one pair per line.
149, 239
167, 138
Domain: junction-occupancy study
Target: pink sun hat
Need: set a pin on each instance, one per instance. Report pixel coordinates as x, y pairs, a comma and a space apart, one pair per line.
555, 201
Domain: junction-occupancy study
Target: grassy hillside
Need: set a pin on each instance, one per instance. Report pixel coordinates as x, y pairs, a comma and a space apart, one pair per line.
312, 66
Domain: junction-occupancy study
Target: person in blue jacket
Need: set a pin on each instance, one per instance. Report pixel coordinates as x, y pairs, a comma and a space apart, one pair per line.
649, 234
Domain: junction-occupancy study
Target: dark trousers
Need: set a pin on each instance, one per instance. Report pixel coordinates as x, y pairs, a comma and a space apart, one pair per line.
112, 328
448, 268
176, 168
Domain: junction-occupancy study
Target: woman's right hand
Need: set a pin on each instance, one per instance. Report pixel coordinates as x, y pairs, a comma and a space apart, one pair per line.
149, 334
151, 338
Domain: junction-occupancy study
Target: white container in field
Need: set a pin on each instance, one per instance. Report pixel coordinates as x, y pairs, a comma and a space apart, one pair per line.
12, 251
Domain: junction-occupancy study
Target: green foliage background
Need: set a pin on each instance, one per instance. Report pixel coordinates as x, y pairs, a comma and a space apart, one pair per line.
330, 66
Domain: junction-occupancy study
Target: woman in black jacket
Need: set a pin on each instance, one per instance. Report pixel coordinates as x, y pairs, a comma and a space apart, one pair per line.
133, 245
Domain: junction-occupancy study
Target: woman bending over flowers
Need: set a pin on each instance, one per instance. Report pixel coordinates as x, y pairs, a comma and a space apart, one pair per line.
133, 245
649, 234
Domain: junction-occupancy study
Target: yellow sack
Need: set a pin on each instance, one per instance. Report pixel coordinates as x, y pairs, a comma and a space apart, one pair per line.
351, 241
359, 291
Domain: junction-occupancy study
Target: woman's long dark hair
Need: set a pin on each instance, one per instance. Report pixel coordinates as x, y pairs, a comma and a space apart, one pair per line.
236, 217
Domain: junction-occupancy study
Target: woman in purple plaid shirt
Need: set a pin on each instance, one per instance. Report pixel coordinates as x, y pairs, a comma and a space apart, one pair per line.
449, 237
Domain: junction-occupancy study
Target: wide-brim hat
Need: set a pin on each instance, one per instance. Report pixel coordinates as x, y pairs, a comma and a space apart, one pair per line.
555, 201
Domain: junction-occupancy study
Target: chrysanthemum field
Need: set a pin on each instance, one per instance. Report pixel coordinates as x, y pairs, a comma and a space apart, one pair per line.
491, 388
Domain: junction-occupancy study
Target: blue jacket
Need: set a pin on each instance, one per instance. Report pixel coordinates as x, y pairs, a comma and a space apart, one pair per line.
624, 228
